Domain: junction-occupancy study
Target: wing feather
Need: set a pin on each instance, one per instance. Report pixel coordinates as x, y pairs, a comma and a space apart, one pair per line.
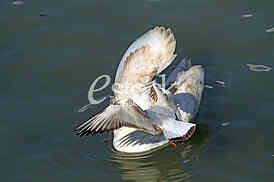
183, 66
115, 116
147, 56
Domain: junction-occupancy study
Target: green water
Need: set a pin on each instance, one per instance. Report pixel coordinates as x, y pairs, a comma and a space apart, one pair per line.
51, 51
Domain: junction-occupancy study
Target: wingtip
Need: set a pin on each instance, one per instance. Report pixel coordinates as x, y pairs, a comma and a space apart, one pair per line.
189, 133
167, 35
80, 133
83, 129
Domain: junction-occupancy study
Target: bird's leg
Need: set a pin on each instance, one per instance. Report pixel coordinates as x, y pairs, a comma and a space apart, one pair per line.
171, 142
106, 139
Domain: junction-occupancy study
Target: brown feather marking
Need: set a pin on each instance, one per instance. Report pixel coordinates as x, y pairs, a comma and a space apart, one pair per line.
147, 76
173, 88
143, 63
156, 29
162, 29
139, 111
127, 62
153, 95
170, 40
129, 58
159, 57
169, 31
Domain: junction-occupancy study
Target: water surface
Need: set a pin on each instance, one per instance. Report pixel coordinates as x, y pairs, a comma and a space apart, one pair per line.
51, 51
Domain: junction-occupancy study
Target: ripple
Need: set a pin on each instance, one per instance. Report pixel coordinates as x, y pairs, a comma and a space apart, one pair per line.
156, 166
16, 3
151, 1
225, 124
208, 86
247, 16
258, 68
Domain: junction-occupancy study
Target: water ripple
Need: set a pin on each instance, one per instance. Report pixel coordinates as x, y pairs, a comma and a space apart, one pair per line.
258, 68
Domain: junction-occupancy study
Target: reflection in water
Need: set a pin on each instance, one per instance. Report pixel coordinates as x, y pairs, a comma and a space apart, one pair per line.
176, 164
208, 86
269, 30
221, 83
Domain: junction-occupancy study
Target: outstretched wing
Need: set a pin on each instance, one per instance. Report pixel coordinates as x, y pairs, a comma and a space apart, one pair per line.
147, 56
125, 113
186, 91
184, 65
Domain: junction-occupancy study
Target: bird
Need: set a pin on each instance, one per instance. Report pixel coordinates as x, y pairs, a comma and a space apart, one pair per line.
142, 115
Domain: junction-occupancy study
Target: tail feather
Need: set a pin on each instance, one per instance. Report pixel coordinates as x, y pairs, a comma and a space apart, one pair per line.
178, 129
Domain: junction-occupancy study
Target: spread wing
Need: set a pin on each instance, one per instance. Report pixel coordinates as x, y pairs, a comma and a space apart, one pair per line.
115, 116
147, 56
186, 91
184, 65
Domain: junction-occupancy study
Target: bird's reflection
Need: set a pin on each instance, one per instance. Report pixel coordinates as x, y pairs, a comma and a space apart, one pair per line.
169, 163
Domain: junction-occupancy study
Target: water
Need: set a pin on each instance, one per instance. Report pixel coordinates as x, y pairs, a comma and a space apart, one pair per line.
51, 51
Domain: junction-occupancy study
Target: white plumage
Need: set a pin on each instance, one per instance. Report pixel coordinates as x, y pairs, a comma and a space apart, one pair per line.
142, 115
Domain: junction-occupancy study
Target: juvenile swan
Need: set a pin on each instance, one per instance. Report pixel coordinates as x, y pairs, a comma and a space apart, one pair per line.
142, 115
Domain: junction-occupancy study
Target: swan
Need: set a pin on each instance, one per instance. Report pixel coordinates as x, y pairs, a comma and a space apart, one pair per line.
142, 115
